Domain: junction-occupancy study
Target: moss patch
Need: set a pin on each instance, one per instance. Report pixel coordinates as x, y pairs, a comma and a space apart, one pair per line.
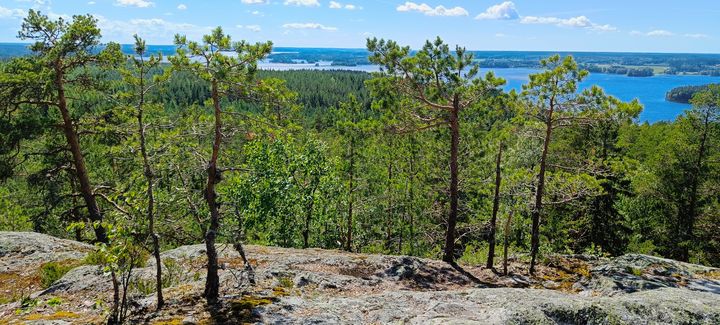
714, 274
242, 309
14, 286
60, 315
172, 321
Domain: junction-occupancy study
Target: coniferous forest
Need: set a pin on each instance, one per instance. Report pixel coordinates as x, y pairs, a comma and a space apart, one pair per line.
429, 157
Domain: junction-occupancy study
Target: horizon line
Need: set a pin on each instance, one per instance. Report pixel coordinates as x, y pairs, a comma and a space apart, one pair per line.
472, 50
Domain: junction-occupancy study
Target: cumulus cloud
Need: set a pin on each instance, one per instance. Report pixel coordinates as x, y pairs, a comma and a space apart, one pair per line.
11, 13
430, 11
134, 3
503, 11
337, 5
309, 26
155, 30
302, 3
575, 22
182, 6
255, 2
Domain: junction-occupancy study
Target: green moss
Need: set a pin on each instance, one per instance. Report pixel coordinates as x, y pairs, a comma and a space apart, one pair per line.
242, 309
173, 321
280, 292
60, 315
286, 282
635, 271
54, 301
250, 302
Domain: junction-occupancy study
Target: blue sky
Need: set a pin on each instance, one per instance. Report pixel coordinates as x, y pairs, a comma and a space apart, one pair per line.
553, 25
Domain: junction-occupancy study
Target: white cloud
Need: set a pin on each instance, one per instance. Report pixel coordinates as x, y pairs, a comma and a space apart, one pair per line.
309, 26
667, 33
430, 11
503, 11
91, 2
11, 13
337, 5
255, 2
304, 3
653, 33
660, 32
36, 3
134, 3
575, 22
253, 28
182, 6
155, 30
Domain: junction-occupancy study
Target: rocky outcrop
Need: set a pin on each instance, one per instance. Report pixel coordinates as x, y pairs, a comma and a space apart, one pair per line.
315, 286
499, 306
22, 251
22, 255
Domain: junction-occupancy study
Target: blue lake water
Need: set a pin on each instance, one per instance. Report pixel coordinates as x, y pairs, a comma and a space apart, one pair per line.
650, 91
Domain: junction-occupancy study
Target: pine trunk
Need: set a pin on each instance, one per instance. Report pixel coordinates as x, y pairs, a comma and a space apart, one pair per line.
537, 210
79, 161
351, 175
496, 207
449, 254
212, 281
150, 178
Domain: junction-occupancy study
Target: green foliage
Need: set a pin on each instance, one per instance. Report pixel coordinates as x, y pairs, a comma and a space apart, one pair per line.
15, 216
475, 255
304, 150
641, 247
53, 271
54, 301
173, 273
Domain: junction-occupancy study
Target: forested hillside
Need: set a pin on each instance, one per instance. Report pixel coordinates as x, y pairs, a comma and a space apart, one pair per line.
426, 158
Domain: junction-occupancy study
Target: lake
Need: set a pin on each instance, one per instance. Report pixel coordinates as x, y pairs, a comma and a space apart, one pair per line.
649, 90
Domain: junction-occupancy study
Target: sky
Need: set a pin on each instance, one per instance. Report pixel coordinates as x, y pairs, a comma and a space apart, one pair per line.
689, 26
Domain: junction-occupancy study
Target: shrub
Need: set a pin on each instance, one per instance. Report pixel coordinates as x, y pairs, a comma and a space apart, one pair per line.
53, 271
94, 258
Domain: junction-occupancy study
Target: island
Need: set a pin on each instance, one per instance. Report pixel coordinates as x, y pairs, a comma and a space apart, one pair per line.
683, 94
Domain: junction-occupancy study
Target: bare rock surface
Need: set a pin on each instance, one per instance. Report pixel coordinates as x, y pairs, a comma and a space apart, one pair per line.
315, 286
20, 251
